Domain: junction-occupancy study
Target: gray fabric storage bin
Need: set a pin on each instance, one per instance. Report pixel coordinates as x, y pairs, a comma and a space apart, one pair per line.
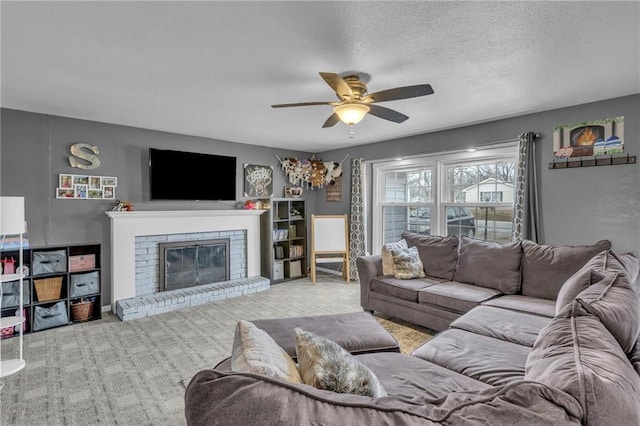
52, 316
11, 294
49, 262
83, 284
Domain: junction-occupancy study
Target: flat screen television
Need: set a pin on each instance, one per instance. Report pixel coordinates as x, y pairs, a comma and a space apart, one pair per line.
178, 175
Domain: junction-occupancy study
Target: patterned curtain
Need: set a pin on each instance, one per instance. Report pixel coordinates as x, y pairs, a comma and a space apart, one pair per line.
358, 225
525, 209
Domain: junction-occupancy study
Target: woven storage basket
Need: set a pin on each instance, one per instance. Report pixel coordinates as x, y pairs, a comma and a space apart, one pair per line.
82, 311
48, 288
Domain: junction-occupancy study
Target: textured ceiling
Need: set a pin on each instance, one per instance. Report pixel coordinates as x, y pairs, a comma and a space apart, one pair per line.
213, 69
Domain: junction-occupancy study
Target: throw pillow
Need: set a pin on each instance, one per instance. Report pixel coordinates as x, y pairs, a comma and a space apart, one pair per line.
439, 255
387, 257
490, 264
254, 351
545, 268
326, 365
407, 264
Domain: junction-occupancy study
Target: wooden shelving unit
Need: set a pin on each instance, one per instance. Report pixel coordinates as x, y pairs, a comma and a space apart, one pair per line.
284, 240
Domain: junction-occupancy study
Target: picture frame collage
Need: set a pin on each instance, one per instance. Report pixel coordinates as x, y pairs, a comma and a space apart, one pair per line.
86, 187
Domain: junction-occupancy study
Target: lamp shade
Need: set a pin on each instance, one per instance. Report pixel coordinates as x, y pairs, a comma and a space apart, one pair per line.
351, 113
12, 215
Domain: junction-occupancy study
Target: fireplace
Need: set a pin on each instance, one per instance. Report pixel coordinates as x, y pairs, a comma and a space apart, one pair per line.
192, 263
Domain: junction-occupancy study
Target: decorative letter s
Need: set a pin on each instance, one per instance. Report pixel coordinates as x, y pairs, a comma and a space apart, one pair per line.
76, 150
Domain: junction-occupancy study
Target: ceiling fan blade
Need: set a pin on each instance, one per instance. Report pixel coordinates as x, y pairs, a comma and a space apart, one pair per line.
301, 104
387, 114
340, 86
400, 93
331, 121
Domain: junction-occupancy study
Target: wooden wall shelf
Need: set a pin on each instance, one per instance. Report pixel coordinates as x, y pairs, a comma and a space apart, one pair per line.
605, 160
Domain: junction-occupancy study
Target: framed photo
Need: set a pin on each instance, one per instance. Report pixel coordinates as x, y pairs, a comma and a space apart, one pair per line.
80, 180
65, 181
95, 182
258, 181
109, 192
95, 194
292, 191
65, 193
80, 191
111, 181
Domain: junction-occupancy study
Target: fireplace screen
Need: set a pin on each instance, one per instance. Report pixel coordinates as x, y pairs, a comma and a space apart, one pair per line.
192, 263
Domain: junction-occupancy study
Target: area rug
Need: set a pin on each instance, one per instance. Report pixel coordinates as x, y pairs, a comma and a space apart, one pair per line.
409, 336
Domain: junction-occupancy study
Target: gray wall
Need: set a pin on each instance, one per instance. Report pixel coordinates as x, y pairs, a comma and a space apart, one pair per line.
34, 149
578, 206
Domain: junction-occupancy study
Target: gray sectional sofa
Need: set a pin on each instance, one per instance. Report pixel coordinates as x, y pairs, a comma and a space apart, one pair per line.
560, 347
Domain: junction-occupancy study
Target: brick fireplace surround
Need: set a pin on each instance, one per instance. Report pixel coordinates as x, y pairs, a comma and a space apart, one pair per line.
127, 228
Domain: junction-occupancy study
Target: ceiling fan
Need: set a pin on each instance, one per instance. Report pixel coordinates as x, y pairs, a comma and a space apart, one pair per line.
355, 102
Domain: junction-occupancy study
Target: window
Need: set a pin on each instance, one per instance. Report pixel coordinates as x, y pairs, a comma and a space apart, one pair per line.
458, 194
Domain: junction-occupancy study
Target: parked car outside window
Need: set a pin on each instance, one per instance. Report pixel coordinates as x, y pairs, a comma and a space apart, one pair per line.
460, 221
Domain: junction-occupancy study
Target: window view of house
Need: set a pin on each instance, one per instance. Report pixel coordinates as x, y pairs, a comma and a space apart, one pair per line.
475, 198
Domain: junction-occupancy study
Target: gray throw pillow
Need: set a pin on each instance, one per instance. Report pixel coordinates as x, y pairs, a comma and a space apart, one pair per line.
545, 268
439, 255
490, 264
326, 365
254, 351
387, 257
407, 264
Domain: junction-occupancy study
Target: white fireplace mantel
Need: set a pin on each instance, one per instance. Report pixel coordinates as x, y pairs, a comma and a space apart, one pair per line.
126, 226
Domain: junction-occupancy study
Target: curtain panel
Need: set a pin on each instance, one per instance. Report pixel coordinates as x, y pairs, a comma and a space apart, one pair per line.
525, 209
358, 224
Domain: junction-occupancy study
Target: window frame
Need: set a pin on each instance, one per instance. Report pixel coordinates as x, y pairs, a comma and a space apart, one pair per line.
438, 162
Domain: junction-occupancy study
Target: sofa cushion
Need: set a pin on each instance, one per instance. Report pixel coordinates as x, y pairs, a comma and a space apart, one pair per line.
357, 332
626, 263
403, 289
326, 365
503, 324
584, 277
616, 305
255, 351
438, 254
490, 264
501, 362
526, 304
634, 356
407, 264
545, 268
454, 296
578, 355
409, 376
387, 257
215, 397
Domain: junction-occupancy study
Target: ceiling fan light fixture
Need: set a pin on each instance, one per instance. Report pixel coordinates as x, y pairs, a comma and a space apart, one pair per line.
351, 113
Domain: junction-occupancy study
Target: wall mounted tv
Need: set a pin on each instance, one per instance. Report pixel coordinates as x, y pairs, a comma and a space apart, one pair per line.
178, 175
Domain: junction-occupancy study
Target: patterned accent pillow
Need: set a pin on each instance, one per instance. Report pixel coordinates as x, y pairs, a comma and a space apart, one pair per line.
407, 264
254, 351
326, 365
387, 257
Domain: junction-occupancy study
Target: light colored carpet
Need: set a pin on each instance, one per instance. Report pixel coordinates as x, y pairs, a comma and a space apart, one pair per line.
132, 373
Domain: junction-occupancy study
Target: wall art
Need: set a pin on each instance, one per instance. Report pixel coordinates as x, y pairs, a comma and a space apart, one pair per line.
589, 138
258, 181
